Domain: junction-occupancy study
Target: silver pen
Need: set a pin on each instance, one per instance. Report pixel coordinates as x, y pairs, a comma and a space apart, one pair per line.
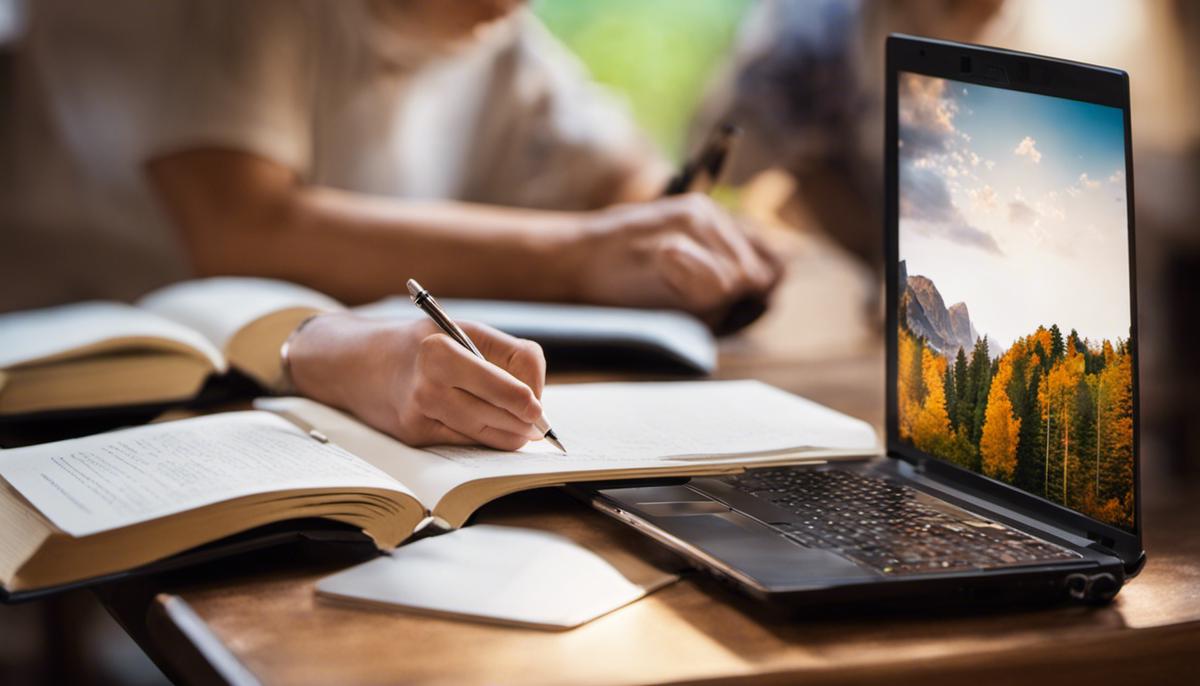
424, 300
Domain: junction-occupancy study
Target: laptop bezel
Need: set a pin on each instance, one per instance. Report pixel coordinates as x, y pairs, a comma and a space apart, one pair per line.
1032, 74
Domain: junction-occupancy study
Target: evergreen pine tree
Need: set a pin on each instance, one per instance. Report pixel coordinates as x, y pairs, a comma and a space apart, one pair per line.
1085, 481
1030, 450
951, 394
1074, 345
961, 391
1057, 349
1043, 356
981, 382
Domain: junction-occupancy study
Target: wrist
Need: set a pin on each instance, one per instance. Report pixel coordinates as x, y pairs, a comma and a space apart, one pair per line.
284, 383
318, 355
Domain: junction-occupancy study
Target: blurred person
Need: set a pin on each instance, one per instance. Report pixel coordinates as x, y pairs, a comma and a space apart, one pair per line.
805, 83
346, 146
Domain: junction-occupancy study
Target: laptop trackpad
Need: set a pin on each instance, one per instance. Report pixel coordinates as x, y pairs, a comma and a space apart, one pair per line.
742, 543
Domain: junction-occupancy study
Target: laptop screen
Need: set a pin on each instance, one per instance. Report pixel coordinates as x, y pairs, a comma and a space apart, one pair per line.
1014, 353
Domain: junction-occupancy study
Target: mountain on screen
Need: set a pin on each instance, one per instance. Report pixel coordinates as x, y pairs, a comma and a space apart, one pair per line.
945, 328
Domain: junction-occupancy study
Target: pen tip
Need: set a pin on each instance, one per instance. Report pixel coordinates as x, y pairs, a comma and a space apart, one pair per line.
414, 288
553, 439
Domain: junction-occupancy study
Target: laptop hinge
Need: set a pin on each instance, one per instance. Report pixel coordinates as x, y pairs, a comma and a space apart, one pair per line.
1103, 543
956, 492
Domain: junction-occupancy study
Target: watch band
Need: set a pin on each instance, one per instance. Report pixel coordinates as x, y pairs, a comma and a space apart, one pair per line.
285, 385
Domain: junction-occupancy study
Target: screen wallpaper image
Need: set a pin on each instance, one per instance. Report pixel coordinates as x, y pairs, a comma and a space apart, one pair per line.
1014, 349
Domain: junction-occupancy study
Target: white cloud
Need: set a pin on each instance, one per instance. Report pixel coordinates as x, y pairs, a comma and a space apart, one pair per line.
1117, 177
1027, 148
984, 198
1050, 209
1085, 182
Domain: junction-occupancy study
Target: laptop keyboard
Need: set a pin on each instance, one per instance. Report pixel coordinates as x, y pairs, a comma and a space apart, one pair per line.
890, 527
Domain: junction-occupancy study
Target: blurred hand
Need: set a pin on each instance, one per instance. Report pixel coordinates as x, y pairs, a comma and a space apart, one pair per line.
681, 252
415, 383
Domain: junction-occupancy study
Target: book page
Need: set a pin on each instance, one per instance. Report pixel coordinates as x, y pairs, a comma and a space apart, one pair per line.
633, 423
219, 307
422, 472
102, 482
613, 427
54, 333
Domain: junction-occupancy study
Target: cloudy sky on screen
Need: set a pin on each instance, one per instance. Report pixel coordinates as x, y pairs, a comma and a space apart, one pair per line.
1014, 203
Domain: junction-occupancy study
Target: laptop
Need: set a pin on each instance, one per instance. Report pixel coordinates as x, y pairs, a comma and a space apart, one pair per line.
1011, 465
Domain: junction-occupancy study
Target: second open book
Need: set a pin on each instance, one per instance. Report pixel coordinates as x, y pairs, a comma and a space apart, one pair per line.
89, 507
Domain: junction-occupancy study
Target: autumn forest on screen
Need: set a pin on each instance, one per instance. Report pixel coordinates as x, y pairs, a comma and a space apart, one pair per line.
1052, 415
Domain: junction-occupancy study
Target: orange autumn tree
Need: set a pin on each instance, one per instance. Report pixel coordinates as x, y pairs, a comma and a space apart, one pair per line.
1057, 397
998, 444
931, 426
1113, 498
907, 386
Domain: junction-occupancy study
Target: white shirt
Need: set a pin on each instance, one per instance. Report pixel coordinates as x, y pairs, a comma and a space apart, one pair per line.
322, 87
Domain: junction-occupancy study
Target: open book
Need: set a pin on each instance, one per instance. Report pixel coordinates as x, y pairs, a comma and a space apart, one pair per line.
86, 508
108, 354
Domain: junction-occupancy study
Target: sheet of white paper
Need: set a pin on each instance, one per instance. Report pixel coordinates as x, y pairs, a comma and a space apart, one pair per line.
219, 307
654, 422
497, 574
102, 482
31, 336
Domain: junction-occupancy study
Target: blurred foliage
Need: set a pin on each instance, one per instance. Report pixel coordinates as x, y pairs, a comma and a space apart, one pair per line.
659, 54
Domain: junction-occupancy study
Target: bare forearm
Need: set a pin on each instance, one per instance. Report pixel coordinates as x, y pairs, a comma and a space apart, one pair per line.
241, 214
359, 247
245, 215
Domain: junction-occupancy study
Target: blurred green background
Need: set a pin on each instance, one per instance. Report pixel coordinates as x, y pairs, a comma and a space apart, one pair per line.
660, 55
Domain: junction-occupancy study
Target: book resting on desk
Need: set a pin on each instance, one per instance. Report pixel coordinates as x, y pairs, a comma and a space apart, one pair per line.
161, 350
86, 508
99, 354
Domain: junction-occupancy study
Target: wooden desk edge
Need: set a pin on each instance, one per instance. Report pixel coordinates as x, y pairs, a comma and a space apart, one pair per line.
1159, 654
189, 647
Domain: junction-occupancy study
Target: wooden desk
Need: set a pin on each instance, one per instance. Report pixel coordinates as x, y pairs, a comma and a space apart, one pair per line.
256, 618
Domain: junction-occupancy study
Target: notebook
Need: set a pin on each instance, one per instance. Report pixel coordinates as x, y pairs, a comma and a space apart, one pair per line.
498, 575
